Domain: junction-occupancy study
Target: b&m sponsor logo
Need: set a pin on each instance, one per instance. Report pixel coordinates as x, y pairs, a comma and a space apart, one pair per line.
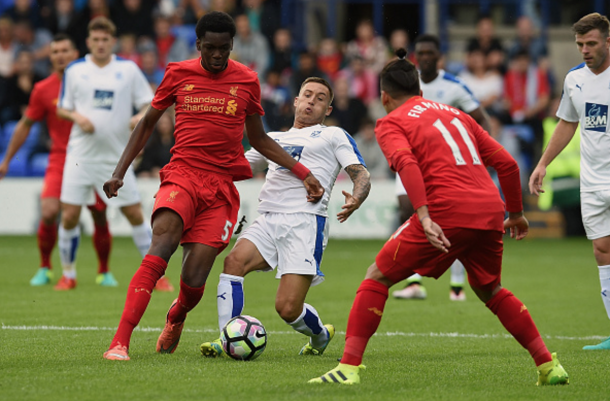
103, 99
596, 117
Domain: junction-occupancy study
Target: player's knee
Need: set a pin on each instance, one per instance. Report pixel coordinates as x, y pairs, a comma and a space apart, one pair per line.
49, 215
234, 265
288, 311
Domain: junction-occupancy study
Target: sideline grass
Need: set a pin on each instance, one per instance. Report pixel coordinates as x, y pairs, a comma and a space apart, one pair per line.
425, 350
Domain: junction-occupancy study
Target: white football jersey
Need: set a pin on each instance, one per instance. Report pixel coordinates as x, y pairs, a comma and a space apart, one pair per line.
585, 99
449, 89
107, 96
323, 150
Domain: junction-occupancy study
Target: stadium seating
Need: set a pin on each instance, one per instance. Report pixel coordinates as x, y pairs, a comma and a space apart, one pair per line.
38, 165
20, 164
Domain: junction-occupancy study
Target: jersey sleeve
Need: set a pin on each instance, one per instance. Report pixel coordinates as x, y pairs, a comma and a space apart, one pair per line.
165, 95
397, 150
257, 161
566, 110
36, 110
465, 99
346, 150
66, 91
141, 94
254, 105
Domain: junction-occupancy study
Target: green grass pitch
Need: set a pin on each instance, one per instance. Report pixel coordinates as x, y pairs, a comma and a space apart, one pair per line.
51, 343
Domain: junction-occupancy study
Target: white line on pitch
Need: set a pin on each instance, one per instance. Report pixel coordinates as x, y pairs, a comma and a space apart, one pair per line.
386, 334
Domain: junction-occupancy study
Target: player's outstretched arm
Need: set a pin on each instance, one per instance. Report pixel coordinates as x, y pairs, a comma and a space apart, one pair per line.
136, 143
274, 152
563, 134
22, 130
362, 186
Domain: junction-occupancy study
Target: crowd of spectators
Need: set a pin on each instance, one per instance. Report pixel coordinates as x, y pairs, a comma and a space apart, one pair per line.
513, 83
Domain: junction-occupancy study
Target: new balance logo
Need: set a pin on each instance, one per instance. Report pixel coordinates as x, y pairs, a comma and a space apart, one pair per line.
222, 296
189, 87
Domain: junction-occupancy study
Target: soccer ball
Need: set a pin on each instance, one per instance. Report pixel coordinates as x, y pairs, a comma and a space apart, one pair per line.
244, 338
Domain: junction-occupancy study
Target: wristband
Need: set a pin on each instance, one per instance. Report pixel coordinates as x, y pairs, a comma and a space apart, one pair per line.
300, 171
422, 219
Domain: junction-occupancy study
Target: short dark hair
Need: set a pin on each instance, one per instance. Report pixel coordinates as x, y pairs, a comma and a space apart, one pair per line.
102, 23
60, 37
590, 22
215, 21
428, 38
400, 77
322, 81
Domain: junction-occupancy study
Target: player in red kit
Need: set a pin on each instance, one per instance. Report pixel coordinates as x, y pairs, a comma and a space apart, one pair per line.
197, 202
42, 105
441, 155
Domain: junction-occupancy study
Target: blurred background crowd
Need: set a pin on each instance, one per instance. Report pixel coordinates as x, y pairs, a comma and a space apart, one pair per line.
285, 41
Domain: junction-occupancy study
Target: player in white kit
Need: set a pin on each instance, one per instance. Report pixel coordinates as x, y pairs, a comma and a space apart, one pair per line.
99, 93
291, 233
439, 86
586, 100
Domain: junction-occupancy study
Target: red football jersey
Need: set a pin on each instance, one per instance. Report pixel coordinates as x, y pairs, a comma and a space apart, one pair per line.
211, 110
43, 104
451, 150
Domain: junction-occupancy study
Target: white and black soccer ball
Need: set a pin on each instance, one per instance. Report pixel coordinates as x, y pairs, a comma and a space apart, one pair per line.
244, 338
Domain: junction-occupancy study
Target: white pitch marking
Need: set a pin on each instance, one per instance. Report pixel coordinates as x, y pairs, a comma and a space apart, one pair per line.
386, 334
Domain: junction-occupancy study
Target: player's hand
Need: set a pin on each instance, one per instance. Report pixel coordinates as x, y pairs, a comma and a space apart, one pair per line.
517, 224
3, 169
314, 188
536, 178
111, 187
351, 205
84, 123
435, 235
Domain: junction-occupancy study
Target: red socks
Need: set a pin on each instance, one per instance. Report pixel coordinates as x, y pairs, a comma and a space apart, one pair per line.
138, 296
47, 237
188, 298
364, 319
102, 241
517, 320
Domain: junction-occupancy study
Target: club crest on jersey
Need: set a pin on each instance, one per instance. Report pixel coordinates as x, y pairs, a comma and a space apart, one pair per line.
233, 91
103, 99
315, 134
596, 117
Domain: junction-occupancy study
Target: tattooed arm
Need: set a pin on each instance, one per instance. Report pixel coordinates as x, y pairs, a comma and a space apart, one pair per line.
362, 185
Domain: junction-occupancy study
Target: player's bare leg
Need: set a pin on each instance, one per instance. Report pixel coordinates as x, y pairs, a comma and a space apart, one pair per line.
69, 238
601, 250
290, 305
167, 231
364, 319
515, 317
243, 259
47, 237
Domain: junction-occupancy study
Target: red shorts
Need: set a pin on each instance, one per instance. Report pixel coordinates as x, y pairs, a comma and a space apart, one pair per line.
408, 251
207, 202
51, 187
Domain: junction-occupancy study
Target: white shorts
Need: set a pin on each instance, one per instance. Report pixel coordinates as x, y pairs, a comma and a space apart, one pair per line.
399, 188
80, 179
292, 242
595, 209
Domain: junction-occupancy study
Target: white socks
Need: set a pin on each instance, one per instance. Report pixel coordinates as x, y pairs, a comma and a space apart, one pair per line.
142, 236
68, 244
604, 279
309, 323
229, 298
458, 274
